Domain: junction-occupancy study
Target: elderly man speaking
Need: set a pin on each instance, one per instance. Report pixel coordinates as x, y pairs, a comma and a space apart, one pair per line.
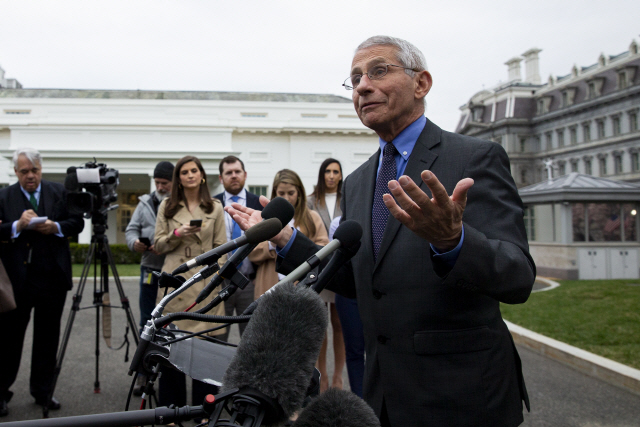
429, 278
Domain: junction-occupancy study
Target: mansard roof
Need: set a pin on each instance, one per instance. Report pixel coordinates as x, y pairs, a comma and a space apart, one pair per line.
579, 187
173, 95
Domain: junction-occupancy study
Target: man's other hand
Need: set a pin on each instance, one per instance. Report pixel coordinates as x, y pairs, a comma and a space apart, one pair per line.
24, 220
47, 227
437, 220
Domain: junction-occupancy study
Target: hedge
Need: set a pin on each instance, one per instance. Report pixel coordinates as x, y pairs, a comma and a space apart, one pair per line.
121, 254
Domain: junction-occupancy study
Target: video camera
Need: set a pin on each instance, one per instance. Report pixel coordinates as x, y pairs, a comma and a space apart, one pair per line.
92, 189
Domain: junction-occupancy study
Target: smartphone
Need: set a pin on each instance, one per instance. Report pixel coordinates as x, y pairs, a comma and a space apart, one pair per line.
145, 241
196, 223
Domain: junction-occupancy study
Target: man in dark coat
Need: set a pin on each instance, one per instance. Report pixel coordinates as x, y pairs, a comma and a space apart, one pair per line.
233, 178
429, 278
35, 252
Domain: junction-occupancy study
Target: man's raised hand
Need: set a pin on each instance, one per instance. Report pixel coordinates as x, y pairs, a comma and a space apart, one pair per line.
437, 220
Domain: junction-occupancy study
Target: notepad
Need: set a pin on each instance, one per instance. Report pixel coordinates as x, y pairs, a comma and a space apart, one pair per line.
35, 221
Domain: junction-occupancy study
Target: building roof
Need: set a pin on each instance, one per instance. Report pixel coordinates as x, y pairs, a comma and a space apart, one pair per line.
578, 187
175, 95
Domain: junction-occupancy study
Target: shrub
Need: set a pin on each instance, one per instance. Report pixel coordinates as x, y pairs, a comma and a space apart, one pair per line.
121, 254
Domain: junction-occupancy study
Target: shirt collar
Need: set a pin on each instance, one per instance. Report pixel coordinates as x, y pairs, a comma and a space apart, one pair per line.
406, 140
242, 195
35, 193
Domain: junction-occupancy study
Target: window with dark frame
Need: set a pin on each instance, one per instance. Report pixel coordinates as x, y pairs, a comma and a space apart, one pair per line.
573, 135
616, 125
617, 164
586, 132
603, 166
601, 132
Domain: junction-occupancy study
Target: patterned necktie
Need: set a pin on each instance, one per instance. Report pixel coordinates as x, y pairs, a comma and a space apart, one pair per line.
33, 200
235, 232
379, 213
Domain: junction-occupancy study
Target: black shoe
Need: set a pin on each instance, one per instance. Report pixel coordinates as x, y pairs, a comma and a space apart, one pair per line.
4, 411
54, 405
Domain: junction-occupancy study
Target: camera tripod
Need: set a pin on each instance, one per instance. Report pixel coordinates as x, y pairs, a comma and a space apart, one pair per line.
99, 251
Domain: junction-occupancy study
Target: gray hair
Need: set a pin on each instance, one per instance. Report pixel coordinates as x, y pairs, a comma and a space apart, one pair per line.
31, 154
407, 54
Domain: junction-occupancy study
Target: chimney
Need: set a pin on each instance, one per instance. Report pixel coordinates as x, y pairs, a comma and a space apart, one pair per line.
532, 67
514, 69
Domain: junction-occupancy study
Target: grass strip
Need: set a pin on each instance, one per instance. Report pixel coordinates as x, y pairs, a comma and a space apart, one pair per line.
123, 270
600, 316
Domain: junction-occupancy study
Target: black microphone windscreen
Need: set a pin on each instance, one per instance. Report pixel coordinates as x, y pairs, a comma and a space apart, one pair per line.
280, 346
279, 208
349, 233
264, 230
337, 408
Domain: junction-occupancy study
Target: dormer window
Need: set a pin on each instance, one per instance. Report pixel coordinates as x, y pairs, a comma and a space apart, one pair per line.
626, 75
568, 96
543, 104
594, 87
476, 113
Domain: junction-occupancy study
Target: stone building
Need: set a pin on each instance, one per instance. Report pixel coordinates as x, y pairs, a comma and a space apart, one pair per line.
583, 124
585, 121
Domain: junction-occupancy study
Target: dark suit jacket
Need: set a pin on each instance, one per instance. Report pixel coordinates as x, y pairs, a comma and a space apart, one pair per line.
437, 350
253, 200
50, 255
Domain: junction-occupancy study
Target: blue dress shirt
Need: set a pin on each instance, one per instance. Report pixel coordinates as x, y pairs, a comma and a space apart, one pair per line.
404, 143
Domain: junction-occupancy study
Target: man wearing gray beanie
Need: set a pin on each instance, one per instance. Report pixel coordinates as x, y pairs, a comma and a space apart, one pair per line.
140, 235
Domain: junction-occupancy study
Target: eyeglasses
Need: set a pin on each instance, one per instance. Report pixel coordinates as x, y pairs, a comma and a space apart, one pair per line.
376, 73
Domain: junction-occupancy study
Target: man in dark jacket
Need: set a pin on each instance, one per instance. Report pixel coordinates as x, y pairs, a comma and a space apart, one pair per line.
35, 251
438, 255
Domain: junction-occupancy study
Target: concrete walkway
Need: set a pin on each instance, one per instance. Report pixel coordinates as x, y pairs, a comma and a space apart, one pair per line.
561, 394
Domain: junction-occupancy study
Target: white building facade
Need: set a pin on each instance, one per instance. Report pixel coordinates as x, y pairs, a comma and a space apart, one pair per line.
132, 131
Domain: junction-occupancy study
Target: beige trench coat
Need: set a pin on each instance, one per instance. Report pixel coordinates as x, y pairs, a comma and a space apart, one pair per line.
181, 249
265, 260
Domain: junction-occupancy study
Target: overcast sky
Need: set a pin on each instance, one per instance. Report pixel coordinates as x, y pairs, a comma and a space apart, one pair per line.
298, 46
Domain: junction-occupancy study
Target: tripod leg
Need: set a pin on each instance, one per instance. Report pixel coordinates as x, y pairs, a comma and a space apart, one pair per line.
123, 298
75, 306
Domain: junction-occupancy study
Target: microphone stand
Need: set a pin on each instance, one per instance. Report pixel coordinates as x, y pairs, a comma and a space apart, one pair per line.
158, 416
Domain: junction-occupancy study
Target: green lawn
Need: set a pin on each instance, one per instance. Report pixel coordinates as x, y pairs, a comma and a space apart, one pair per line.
600, 316
123, 270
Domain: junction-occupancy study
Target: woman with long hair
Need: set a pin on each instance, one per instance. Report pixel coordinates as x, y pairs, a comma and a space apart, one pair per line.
179, 241
286, 184
325, 200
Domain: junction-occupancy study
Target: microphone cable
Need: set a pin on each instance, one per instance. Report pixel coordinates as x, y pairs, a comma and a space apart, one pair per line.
165, 320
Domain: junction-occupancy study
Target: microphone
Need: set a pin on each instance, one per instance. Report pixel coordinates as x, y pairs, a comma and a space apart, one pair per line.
278, 208
342, 255
260, 232
337, 408
348, 234
275, 359
227, 271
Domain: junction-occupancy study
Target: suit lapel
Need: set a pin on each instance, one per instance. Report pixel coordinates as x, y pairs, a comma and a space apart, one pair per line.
361, 204
18, 208
421, 158
46, 204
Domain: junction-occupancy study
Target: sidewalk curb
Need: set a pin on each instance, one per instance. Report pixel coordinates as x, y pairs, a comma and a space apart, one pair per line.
591, 364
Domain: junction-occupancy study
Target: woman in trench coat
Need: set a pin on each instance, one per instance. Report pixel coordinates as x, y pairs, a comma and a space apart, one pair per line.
179, 241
